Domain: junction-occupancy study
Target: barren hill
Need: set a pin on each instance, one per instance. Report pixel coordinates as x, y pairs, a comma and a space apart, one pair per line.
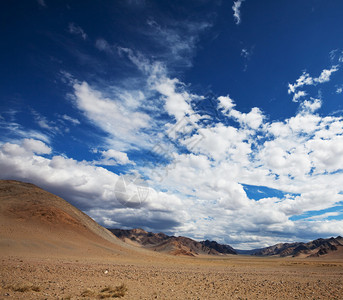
171, 244
35, 221
320, 247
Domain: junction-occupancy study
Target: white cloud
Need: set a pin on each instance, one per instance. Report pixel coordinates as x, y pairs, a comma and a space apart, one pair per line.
237, 11
35, 146
253, 119
113, 157
174, 94
70, 119
207, 182
306, 79
44, 123
177, 103
27, 146
203, 184
77, 30
311, 106
120, 119
15, 130
226, 103
298, 95
91, 188
299, 155
326, 74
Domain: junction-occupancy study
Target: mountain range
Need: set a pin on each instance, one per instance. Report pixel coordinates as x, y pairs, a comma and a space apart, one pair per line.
33, 220
171, 244
313, 248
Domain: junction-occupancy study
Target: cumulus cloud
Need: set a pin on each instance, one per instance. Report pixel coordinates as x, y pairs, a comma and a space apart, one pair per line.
300, 155
113, 157
200, 189
253, 119
205, 194
27, 146
311, 106
305, 80
237, 11
210, 163
176, 102
326, 74
91, 188
226, 103
298, 95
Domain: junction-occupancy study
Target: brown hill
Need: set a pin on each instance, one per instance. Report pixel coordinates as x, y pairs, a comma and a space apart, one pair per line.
320, 247
171, 244
33, 221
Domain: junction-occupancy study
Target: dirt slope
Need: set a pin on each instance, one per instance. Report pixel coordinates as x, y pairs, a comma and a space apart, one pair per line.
34, 221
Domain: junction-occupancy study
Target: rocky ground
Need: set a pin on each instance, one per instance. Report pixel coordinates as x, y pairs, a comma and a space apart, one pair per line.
171, 278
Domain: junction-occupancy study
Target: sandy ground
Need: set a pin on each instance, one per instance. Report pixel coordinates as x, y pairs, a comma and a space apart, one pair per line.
166, 277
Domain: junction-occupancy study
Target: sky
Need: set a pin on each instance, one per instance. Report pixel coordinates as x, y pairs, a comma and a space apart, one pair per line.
218, 120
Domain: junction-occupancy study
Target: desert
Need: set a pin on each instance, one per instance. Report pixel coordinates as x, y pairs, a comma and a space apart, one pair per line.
50, 250
171, 149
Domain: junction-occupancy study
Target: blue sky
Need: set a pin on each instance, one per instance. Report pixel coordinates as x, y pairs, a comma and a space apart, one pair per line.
215, 120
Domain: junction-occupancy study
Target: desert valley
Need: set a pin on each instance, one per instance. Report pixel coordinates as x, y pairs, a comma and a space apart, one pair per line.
51, 250
171, 149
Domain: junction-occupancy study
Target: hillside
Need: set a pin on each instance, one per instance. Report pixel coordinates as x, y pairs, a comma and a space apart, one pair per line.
161, 242
33, 221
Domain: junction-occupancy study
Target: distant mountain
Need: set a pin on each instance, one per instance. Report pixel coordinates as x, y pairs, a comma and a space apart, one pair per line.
225, 249
170, 244
247, 252
314, 248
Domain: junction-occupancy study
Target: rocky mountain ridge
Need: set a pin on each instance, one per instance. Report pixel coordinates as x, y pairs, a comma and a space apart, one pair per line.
315, 248
171, 244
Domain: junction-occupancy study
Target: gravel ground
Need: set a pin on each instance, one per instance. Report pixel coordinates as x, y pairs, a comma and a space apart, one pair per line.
171, 278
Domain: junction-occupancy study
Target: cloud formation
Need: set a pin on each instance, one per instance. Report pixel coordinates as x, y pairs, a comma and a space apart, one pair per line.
237, 10
200, 158
299, 156
306, 80
200, 186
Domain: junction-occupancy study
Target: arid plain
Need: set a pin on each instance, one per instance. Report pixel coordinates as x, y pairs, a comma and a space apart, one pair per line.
50, 250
